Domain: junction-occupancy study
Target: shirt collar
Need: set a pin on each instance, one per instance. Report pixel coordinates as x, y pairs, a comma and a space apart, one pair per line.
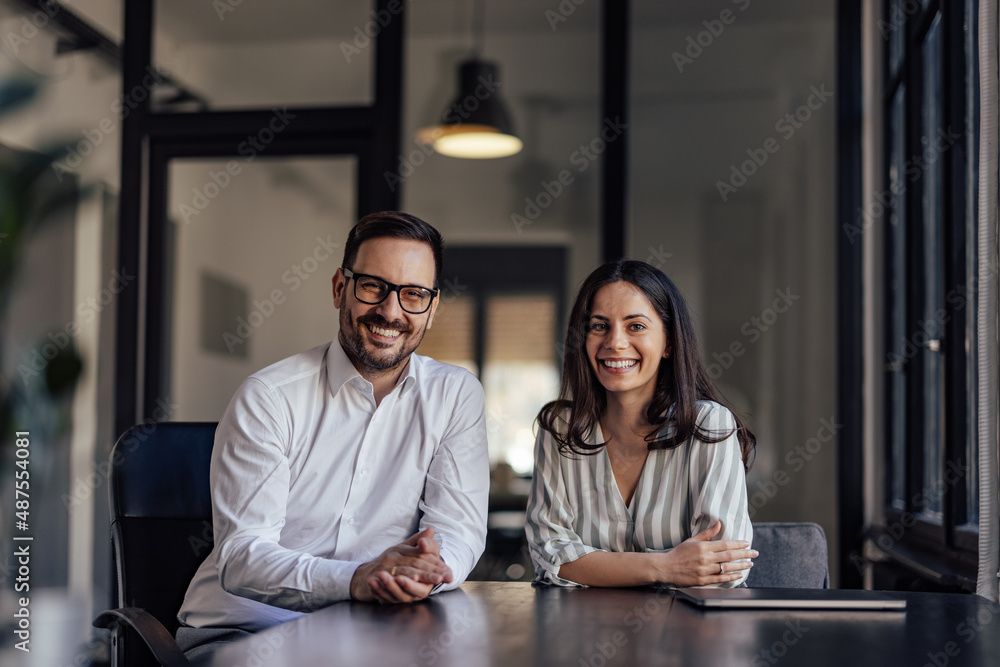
410, 378
340, 370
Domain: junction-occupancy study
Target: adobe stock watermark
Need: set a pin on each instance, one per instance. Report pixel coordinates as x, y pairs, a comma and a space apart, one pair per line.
83, 487
261, 648
604, 652
561, 13
203, 542
786, 127
648, 612
249, 148
797, 459
121, 107
433, 649
296, 275
967, 629
496, 418
912, 170
31, 24
450, 289
697, 44
898, 14
581, 158
458, 113
223, 7
752, 329
363, 35
86, 312
779, 649
931, 494
658, 256
931, 329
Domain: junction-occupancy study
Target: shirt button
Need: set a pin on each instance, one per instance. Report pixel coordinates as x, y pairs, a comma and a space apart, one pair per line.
350, 521
364, 470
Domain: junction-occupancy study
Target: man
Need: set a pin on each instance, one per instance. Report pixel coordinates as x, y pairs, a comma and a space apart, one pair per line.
355, 470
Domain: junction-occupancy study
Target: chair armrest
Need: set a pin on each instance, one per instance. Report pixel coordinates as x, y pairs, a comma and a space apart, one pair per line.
157, 638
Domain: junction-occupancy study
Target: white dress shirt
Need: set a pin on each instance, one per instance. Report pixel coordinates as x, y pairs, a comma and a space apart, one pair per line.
310, 480
575, 506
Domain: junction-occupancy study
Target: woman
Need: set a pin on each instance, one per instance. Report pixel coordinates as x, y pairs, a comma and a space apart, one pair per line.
639, 469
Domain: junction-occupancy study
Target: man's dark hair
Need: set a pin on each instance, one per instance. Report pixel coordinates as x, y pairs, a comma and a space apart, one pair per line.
397, 225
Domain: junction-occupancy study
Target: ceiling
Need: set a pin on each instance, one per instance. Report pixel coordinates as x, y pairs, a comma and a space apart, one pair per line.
200, 20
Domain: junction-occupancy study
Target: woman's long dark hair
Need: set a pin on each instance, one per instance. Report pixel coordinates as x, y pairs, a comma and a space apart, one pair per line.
681, 381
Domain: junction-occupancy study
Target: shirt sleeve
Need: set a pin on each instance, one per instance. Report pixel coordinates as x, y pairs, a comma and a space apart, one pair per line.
250, 479
718, 483
549, 521
456, 491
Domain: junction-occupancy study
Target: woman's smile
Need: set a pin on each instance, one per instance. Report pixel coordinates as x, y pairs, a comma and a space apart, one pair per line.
626, 340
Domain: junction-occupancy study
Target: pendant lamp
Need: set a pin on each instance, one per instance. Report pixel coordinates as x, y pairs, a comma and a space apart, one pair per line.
476, 124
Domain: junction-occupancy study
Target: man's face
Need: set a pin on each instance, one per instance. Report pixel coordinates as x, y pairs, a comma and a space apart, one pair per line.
379, 338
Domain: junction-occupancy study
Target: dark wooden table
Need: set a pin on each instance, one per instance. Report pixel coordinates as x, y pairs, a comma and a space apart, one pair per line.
514, 624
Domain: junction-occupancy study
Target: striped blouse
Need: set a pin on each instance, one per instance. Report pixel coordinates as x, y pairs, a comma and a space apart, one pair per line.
575, 507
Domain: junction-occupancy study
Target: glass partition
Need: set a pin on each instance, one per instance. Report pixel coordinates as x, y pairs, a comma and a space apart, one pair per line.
733, 195
252, 262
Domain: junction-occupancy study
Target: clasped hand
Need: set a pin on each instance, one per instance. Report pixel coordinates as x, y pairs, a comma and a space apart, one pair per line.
406, 572
700, 561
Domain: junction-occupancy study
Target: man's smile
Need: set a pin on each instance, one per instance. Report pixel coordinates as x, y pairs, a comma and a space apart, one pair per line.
390, 334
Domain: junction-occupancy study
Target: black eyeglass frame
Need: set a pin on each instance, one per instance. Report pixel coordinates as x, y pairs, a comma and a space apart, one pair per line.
393, 287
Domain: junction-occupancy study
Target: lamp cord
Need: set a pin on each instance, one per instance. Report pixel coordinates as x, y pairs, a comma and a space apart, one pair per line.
478, 31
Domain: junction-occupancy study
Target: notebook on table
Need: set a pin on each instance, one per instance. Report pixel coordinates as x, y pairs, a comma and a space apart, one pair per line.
789, 598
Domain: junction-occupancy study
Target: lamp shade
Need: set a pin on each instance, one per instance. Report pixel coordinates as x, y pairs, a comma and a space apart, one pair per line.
476, 124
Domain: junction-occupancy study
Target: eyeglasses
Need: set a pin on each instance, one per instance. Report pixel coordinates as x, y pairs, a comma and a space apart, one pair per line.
371, 290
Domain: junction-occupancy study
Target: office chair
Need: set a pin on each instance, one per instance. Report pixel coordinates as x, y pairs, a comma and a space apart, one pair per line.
161, 531
792, 555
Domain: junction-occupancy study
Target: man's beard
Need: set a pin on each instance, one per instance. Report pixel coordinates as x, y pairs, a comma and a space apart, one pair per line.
366, 359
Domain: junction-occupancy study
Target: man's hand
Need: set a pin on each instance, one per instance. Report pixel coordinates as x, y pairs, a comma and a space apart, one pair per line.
406, 572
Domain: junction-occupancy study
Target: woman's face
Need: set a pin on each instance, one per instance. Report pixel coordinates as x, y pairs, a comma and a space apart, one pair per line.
625, 341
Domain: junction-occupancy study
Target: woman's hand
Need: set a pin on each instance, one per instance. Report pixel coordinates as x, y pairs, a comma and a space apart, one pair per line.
699, 561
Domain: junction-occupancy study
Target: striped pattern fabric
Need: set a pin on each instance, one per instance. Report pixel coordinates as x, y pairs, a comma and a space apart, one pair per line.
575, 507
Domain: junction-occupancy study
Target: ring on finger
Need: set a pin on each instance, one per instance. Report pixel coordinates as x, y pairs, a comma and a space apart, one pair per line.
392, 572
722, 567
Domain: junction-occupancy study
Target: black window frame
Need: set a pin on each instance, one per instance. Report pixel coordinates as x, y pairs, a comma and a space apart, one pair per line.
481, 272
941, 549
151, 139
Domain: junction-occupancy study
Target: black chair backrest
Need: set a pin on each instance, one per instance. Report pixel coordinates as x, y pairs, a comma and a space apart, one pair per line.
792, 555
161, 520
